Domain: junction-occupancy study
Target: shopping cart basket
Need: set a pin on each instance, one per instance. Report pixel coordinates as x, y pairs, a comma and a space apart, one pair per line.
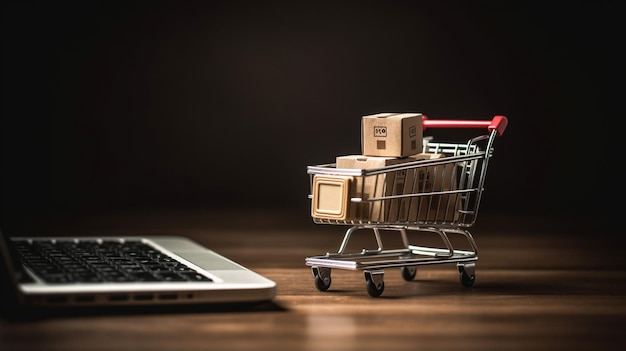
438, 192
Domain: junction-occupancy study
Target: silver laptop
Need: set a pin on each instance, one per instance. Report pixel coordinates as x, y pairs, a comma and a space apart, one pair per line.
121, 271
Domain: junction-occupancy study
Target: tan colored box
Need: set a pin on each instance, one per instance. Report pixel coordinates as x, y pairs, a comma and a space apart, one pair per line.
439, 208
435, 178
435, 207
331, 197
391, 134
368, 162
332, 193
374, 186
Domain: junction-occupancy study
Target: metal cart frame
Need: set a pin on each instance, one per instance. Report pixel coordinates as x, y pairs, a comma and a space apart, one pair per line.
436, 209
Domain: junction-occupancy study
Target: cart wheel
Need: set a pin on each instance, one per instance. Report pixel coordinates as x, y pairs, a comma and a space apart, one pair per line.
375, 290
322, 284
408, 272
374, 282
322, 278
466, 274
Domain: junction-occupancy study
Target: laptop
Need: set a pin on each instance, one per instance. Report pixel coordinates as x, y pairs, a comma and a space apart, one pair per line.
52, 272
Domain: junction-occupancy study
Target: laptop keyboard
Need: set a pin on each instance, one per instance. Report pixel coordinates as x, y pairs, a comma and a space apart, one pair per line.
90, 261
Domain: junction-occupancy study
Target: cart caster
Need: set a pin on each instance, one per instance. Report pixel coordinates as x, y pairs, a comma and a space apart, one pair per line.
408, 272
322, 277
466, 273
374, 282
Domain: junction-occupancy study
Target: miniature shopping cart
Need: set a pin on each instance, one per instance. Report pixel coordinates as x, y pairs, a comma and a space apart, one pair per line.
438, 192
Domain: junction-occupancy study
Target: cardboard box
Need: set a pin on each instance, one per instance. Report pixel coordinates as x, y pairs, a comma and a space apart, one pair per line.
391, 134
331, 197
368, 162
332, 193
435, 208
432, 179
435, 178
373, 186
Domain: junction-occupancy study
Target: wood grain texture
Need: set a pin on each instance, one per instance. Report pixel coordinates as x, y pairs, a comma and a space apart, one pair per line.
540, 285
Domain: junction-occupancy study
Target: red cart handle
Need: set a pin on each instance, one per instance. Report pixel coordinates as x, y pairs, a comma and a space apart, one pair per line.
498, 123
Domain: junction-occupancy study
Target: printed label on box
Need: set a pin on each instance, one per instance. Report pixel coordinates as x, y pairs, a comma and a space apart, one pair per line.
391, 134
380, 131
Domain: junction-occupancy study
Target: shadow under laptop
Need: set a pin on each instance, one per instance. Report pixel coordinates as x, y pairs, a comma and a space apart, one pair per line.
13, 313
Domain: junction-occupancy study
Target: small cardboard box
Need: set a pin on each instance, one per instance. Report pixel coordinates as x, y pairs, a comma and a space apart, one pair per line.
436, 208
375, 186
435, 178
431, 179
331, 197
391, 134
368, 162
331, 194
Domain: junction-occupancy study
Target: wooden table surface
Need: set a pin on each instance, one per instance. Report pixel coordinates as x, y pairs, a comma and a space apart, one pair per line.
540, 285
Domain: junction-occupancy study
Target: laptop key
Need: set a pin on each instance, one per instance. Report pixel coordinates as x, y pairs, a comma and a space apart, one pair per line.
67, 261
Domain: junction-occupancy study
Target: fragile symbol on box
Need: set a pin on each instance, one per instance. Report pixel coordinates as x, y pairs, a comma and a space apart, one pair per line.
380, 131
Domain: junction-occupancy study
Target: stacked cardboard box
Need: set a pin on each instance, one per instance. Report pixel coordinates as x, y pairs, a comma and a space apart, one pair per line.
391, 134
387, 139
429, 184
374, 185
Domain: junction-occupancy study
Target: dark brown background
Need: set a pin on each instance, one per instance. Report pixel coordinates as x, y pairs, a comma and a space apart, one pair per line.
161, 104
138, 117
